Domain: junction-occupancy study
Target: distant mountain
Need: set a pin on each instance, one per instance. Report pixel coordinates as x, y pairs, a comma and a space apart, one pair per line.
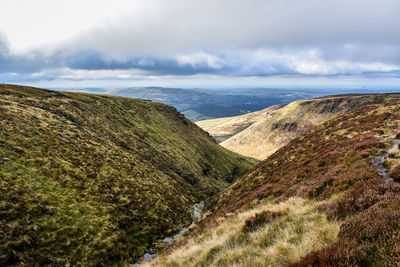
94, 180
201, 104
330, 197
278, 128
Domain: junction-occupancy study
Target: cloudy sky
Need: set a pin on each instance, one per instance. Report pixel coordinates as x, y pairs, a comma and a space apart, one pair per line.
200, 43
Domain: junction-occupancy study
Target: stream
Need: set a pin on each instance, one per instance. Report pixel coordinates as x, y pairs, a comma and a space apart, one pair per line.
197, 212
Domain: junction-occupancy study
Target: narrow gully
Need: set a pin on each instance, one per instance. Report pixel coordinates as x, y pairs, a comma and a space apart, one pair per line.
197, 212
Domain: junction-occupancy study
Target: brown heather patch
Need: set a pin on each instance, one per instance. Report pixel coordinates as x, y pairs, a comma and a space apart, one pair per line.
395, 173
312, 165
371, 238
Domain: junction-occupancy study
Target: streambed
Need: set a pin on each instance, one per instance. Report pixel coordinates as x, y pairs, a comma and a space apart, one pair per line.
197, 212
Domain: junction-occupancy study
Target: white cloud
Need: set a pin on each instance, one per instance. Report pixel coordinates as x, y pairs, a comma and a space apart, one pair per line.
201, 58
33, 24
312, 62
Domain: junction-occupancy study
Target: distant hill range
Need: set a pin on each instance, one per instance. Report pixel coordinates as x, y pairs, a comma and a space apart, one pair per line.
202, 104
260, 134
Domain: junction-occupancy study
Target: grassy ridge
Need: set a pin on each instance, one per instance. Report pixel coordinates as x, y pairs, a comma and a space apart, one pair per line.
90, 179
278, 128
222, 129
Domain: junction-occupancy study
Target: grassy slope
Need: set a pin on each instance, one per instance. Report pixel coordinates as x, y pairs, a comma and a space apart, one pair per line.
331, 167
95, 179
267, 235
223, 128
268, 134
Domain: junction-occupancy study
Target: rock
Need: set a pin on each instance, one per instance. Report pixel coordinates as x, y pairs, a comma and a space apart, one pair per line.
167, 239
274, 126
148, 256
289, 126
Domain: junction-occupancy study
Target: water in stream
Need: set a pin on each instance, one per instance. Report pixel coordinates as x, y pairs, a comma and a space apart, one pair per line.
197, 212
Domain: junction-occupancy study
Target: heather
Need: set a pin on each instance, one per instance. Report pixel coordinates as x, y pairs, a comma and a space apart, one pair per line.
331, 166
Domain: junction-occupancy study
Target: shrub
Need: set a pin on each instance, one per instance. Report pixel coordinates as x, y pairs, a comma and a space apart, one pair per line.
363, 195
260, 219
395, 173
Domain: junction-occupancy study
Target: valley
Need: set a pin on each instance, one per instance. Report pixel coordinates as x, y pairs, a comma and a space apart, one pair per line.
206, 133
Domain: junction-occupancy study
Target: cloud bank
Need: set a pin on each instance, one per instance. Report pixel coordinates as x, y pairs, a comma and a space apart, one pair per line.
226, 38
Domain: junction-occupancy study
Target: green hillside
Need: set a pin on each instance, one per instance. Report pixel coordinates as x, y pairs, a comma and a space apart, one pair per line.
94, 180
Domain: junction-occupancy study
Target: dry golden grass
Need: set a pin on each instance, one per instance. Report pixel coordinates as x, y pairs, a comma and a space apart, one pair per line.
299, 230
260, 141
223, 128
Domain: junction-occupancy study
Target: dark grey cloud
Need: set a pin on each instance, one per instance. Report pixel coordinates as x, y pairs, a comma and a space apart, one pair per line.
181, 26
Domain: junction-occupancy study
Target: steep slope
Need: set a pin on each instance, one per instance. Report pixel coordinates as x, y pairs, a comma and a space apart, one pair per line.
223, 128
94, 180
321, 200
277, 129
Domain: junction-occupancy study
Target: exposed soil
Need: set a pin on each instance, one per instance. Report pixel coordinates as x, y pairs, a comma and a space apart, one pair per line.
380, 159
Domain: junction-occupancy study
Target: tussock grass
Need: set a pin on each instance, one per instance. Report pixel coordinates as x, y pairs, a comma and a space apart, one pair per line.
297, 230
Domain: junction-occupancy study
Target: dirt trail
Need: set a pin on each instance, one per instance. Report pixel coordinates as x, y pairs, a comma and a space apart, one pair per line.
380, 158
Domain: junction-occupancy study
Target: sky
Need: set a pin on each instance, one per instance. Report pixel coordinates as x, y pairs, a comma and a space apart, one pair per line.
200, 43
